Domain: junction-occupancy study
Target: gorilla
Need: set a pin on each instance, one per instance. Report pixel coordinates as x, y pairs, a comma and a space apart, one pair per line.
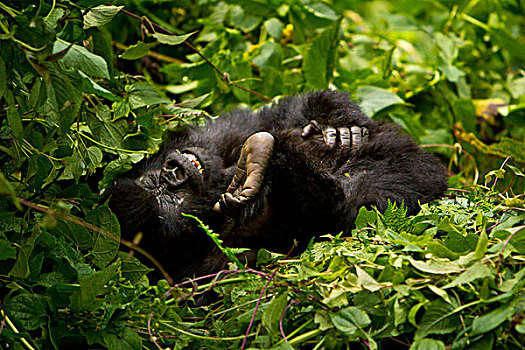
298, 168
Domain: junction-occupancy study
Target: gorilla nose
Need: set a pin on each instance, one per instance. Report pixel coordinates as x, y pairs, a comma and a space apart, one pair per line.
172, 173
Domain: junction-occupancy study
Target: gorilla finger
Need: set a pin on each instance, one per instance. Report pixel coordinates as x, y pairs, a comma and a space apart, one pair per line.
364, 135
220, 207
357, 138
330, 136
229, 205
346, 138
238, 179
231, 201
260, 147
311, 129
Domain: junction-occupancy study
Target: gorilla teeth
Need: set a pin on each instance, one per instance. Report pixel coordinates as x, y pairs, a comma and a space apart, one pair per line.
194, 160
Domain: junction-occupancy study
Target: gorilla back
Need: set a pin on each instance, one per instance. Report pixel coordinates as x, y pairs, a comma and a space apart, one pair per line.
298, 168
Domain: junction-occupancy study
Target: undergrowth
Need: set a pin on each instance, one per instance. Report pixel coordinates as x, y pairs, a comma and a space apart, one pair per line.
87, 89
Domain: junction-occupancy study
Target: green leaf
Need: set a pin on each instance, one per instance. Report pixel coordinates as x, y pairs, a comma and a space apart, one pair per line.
74, 168
89, 86
439, 250
74, 233
517, 240
427, 344
436, 320
141, 95
510, 284
119, 166
7, 188
80, 58
487, 322
365, 280
108, 132
121, 109
139, 50
100, 15
323, 320
319, 59
13, 118
241, 70
516, 171
477, 271
244, 20
92, 289
514, 46
179, 89
435, 266
373, 99
29, 310
320, 9
365, 218
272, 315
349, 320
274, 27
105, 248
21, 268
125, 340
448, 49
465, 113
65, 98
54, 17
265, 257
7, 251
132, 269
451, 72
39, 166
481, 247
442, 293
3, 83
94, 155
172, 39
271, 55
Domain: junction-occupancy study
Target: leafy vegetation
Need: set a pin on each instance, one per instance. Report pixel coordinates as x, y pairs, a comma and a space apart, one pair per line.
88, 89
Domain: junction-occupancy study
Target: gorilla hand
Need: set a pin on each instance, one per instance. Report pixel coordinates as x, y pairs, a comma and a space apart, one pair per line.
249, 176
353, 137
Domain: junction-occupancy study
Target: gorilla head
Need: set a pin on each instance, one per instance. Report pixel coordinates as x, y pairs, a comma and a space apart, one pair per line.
151, 199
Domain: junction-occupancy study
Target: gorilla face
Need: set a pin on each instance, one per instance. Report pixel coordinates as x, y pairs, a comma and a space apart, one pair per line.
152, 199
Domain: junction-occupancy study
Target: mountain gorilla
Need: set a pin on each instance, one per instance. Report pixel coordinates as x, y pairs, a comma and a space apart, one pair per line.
298, 168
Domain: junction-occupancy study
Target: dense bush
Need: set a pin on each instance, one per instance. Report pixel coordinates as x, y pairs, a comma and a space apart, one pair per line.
88, 89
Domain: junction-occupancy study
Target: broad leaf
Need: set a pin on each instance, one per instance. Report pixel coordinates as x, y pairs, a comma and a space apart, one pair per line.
141, 95
350, 320
28, 309
136, 51
172, 39
105, 246
100, 15
80, 58
373, 99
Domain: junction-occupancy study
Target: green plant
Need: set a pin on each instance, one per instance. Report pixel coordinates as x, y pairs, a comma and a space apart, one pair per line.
89, 89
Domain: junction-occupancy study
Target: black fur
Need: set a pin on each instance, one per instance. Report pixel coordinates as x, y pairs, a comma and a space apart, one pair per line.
309, 189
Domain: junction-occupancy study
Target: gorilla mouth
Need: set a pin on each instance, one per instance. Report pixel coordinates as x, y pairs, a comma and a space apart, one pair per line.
192, 158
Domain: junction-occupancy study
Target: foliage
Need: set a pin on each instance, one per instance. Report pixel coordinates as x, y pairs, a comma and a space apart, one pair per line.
88, 89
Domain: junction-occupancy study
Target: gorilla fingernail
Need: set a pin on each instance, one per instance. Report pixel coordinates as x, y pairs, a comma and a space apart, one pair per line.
356, 136
346, 139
